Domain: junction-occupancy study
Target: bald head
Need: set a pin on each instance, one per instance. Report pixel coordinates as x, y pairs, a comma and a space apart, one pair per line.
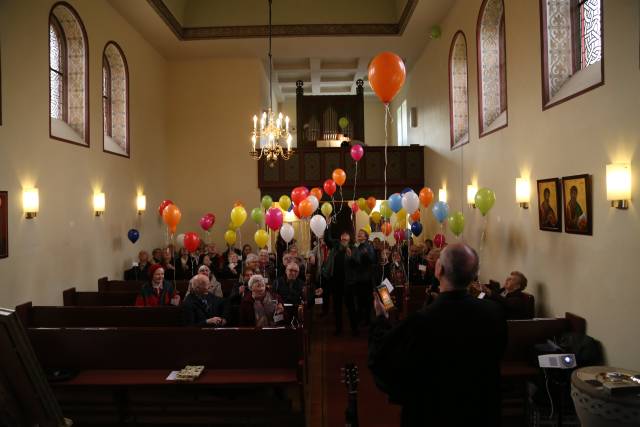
458, 265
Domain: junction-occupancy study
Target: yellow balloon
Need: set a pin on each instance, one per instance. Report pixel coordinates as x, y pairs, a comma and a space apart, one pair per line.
238, 216
402, 214
326, 209
230, 237
376, 217
284, 202
366, 228
261, 237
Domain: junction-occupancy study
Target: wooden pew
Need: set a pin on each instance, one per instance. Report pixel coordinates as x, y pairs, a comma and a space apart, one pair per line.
106, 285
251, 375
83, 316
72, 297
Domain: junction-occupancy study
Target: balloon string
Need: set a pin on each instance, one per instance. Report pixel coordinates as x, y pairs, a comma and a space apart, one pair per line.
386, 137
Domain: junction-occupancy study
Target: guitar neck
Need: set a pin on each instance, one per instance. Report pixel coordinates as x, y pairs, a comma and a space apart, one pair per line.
352, 410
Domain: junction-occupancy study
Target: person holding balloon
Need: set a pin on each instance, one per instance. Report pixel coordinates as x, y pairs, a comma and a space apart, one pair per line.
186, 265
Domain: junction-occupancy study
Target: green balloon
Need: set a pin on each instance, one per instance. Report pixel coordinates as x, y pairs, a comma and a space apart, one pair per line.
326, 209
362, 203
456, 223
267, 201
285, 202
385, 210
436, 32
257, 215
485, 198
343, 122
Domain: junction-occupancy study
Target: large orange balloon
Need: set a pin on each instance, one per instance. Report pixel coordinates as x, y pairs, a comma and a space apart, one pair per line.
426, 196
386, 75
305, 208
371, 202
315, 191
339, 176
386, 228
171, 216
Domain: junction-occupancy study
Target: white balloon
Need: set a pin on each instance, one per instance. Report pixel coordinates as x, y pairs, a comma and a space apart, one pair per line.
318, 225
286, 232
410, 202
180, 240
314, 202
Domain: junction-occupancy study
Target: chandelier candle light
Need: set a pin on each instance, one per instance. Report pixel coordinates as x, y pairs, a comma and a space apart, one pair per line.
268, 140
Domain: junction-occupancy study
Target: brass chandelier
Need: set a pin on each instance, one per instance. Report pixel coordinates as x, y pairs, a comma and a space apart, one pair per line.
269, 139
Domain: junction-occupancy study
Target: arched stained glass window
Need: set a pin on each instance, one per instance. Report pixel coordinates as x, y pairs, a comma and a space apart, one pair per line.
115, 100
458, 91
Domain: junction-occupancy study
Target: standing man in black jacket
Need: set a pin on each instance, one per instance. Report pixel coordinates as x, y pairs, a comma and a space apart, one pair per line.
363, 261
443, 364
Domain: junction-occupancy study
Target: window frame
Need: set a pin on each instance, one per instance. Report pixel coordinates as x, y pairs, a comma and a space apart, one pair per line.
106, 99
127, 111
502, 35
403, 125
453, 144
575, 59
87, 128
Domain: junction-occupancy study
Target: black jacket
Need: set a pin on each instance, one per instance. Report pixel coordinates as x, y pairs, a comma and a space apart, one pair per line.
290, 292
443, 364
138, 273
195, 312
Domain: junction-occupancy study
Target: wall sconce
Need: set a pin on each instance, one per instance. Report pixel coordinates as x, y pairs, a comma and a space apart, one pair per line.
471, 195
442, 195
98, 203
523, 192
619, 185
141, 202
30, 203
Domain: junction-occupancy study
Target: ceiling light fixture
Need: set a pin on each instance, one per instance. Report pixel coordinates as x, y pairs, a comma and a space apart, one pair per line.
269, 140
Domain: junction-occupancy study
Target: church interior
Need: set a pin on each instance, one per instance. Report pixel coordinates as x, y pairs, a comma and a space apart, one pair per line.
247, 135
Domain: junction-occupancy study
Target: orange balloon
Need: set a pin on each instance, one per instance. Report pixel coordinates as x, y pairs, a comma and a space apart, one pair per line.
237, 203
171, 216
386, 228
416, 215
339, 176
426, 196
387, 75
305, 208
315, 191
371, 202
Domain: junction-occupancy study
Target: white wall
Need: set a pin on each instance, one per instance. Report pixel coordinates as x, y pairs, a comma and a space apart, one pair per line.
66, 245
595, 277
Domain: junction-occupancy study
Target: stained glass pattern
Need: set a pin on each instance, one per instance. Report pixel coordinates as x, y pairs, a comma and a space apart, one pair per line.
459, 91
491, 61
56, 78
591, 32
559, 53
117, 86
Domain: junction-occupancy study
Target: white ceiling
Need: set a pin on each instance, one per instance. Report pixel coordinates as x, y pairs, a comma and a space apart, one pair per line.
327, 65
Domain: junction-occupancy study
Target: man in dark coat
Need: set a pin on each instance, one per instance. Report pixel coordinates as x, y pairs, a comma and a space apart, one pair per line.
336, 272
290, 287
202, 308
443, 364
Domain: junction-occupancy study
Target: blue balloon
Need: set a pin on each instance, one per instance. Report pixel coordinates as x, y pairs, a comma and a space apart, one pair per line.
290, 207
395, 202
133, 235
406, 190
440, 211
416, 228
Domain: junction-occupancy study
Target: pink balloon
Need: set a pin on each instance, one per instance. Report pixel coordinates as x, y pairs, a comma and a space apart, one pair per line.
274, 218
439, 241
354, 207
206, 222
357, 152
398, 235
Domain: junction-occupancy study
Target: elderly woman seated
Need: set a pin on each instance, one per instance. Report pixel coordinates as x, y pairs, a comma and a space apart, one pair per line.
201, 307
260, 307
157, 291
216, 287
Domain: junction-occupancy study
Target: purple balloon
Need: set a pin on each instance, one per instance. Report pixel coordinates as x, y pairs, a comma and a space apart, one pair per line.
357, 152
274, 218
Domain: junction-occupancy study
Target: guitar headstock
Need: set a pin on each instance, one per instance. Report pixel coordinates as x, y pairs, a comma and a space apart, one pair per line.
350, 377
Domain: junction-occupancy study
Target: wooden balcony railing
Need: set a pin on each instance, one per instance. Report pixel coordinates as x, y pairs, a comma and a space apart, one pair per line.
310, 167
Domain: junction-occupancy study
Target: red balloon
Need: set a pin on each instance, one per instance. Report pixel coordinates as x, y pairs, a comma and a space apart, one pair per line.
439, 241
398, 235
386, 75
163, 205
298, 194
386, 228
296, 211
329, 187
354, 207
191, 241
